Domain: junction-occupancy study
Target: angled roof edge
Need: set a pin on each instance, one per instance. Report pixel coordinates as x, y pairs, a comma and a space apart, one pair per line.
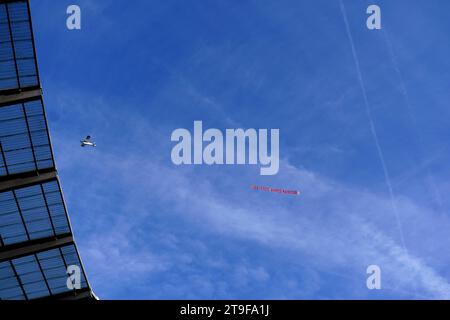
13, 96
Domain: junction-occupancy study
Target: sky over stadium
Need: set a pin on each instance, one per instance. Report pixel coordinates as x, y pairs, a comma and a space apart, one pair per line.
364, 124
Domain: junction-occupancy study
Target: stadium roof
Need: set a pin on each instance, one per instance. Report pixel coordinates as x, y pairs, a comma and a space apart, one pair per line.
36, 241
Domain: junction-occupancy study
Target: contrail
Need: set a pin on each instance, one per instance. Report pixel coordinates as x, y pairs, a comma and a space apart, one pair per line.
372, 126
413, 119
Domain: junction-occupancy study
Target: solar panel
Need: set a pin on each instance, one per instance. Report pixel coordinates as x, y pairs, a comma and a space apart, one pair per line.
32, 213
39, 275
17, 53
24, 140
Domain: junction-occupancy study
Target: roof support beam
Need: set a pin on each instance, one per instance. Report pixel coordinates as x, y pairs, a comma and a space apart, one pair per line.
29, 135
8, 1
21, 215
23, 95
34, 246
19, 281
80, 294
25, 181
48, 210
4, 158
43, 274
13, 46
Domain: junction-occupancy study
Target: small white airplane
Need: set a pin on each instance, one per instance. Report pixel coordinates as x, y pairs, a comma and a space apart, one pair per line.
86, 142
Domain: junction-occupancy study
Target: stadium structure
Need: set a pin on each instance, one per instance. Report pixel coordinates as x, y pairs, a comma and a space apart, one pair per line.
37, 246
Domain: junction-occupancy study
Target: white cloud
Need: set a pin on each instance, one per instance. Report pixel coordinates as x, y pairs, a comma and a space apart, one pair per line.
333, 227
330, 227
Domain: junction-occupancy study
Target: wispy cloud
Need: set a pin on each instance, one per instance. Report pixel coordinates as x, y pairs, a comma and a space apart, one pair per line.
330, 227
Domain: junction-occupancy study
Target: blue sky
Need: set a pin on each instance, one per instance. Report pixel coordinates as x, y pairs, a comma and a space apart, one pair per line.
147, 229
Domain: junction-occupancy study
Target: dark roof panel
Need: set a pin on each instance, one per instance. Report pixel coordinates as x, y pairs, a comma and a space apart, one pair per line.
32, 213
18, 67
24, 140
39, 275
